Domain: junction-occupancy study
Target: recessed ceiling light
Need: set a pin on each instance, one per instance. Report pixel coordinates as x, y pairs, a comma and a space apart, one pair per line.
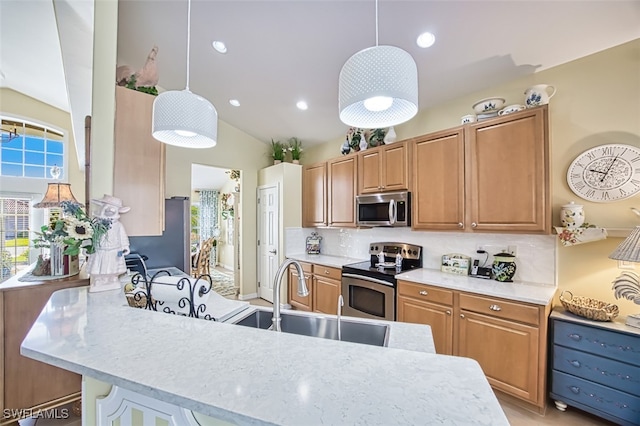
302, 105
219, 46
426, 40
234, 102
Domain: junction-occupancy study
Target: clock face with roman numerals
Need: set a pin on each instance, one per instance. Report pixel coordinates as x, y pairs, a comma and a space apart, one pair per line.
606, 173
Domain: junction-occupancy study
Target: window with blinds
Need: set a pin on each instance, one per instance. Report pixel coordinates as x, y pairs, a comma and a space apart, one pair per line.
14, 235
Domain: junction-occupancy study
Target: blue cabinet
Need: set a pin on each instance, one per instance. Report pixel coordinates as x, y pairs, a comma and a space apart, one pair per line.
596, 367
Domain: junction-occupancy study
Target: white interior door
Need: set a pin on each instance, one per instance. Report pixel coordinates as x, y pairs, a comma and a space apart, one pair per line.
268, 239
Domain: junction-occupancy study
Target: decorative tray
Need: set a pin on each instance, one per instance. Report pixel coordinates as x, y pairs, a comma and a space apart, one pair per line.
586, 307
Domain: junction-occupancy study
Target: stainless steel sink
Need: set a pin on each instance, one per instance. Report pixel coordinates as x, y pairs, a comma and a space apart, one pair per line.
319, 326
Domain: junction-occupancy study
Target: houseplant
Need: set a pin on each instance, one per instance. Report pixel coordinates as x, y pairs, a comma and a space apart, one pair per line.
278, 151
295, 147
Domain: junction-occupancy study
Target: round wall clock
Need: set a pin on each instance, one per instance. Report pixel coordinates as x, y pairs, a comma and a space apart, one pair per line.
606, 173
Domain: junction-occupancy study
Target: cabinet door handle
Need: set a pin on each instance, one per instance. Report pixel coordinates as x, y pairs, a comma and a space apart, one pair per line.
474, 225
575, 363
460, 225
575, 337
495, 308
574, 389
448, 312
423, 292
462, 316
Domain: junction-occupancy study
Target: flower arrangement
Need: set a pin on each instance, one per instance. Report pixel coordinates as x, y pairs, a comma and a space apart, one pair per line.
75, 230
233, 174
295, 147
278, 150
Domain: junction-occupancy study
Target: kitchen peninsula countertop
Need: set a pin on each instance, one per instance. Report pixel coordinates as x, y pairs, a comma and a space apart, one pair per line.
250, 376
538, 294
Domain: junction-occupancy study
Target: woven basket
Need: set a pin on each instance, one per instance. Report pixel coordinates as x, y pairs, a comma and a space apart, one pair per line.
586, 307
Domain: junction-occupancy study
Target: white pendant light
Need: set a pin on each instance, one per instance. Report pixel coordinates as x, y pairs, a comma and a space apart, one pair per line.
183, 118
378, 87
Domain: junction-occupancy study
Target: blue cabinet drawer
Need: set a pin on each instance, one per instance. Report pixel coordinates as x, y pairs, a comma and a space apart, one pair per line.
618, 346
616, 403
617, 375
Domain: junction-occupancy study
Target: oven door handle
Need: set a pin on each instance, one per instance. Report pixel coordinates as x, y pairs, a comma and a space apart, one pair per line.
373, 280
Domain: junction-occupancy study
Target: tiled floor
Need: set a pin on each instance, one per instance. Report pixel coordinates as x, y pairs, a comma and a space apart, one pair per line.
517, 416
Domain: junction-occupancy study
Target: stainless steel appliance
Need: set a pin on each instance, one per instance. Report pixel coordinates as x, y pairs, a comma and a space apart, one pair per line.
384, 209
369, 288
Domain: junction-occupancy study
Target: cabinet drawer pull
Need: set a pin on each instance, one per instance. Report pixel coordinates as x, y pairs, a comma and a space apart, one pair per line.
495, 308
326, 272
575, 337
574, 389
423, 292
575, 363
460, 225
474, 225
448, 312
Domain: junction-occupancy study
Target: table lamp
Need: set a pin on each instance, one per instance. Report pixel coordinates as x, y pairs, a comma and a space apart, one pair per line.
627, 285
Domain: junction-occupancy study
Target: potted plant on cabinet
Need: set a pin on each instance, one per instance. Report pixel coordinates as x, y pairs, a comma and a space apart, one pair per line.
295, 147
277, 151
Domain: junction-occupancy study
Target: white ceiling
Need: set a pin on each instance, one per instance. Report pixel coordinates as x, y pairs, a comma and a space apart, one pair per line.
284, 51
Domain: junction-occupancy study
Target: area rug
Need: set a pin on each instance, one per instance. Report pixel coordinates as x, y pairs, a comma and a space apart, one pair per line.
223, 283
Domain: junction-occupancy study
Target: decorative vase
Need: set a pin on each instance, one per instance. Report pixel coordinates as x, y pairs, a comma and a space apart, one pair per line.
504, 267
277, 161
572, 215
295, 161
390, 137
363, 144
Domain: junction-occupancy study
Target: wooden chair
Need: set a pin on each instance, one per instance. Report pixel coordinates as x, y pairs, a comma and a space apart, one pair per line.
203, 258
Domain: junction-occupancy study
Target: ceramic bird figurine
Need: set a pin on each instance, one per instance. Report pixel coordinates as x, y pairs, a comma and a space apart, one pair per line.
627, 286
145, 77
345, 149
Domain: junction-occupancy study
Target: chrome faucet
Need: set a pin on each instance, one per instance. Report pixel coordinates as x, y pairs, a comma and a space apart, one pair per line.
340, 305
302, 289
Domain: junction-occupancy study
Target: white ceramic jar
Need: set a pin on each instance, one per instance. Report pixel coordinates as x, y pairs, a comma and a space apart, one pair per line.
572, 215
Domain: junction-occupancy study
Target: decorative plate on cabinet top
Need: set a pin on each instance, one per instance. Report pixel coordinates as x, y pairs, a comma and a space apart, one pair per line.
488, 105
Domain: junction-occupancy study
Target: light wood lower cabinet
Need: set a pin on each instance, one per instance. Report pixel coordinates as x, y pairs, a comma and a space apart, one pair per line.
507, 338
24, 382
324, 284
421, 304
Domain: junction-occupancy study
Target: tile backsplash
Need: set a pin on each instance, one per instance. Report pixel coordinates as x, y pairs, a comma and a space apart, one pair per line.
535, 255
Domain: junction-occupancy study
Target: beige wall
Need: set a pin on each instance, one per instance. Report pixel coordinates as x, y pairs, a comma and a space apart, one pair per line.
21, 106
597, 102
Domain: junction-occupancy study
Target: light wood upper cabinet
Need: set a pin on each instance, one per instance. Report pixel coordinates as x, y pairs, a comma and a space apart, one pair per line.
314, 195
342, 182
508, 173
438, 196
385, 168
489, 176
139, 164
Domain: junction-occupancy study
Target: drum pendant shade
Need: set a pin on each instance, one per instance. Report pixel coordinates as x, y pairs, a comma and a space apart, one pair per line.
379, 71
184, 119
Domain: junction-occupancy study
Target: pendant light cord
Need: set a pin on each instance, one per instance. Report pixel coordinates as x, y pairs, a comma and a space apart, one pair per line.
376, 22
189, 41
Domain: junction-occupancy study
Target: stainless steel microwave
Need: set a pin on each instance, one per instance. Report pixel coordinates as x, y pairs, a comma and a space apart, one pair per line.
384, 209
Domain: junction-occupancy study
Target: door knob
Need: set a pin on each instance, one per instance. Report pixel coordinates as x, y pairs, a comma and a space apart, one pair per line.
272, 251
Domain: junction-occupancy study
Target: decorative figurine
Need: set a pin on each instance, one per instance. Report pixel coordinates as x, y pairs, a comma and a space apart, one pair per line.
345, 149
108, 263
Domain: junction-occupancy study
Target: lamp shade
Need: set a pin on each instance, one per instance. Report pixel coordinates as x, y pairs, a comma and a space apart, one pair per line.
184, 119
381, 73
629, 249
56, 194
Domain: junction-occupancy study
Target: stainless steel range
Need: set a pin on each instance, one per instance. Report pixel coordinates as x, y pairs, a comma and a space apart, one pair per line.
369, 288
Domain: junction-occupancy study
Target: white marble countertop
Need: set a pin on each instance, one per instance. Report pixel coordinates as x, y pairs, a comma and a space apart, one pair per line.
324, 259
250, 376
537, 294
